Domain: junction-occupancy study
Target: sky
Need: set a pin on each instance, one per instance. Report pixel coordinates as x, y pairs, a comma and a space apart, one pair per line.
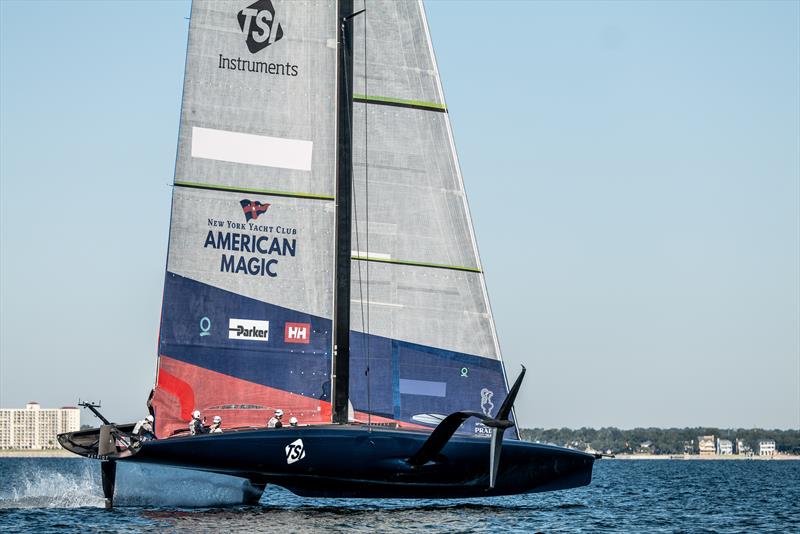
633, 172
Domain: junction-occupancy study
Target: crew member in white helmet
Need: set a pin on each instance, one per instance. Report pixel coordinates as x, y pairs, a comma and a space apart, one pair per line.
144, 429
293, 421
196, 424
216, 426
275, 422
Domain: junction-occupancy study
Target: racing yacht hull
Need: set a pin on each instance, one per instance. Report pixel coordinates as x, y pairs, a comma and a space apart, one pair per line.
359, 462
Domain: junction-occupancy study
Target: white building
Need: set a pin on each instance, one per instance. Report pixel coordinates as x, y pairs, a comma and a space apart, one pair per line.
35, 428
706, 445
724, 446
766, 447
743, 448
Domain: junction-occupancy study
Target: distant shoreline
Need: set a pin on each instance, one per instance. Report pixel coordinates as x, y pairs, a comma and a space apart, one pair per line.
704, 457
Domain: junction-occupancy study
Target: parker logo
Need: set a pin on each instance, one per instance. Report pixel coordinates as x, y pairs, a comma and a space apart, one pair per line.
297, 333
260, 25
248, 330
253, 208
295, 451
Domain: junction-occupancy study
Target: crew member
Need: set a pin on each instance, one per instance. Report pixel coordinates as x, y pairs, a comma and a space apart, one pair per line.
216, 426
144, 429
196, 424
275, 422
293, 421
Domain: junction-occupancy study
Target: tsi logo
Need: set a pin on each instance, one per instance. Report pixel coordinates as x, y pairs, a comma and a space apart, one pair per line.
260, 25
297, 333
295, 451
248, 330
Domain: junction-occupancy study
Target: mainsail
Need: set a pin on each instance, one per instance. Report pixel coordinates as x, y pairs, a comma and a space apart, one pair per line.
248, 296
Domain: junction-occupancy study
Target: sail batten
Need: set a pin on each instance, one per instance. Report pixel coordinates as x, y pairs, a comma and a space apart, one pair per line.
399, 102
417, 263
267, 192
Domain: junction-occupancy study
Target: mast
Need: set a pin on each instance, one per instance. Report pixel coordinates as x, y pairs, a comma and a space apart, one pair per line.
340, 375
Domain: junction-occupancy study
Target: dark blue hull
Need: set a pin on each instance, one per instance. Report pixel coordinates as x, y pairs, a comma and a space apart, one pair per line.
353, 461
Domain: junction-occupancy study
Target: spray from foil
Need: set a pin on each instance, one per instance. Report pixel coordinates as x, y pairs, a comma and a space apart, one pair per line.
76, 483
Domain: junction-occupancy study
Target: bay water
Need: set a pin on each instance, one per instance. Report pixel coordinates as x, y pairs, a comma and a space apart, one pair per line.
45, 495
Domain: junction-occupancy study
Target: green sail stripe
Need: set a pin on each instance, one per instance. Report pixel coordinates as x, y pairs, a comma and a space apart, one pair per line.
418, 264
400, 101
269, 192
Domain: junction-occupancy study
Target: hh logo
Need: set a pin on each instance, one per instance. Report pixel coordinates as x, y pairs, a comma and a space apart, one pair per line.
260, 25
297, 333
253, 208
295, 451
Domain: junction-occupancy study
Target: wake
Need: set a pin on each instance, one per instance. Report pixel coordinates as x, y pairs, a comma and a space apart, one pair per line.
64, 484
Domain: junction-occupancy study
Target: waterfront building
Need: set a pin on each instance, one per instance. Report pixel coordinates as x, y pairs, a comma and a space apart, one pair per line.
766, 447
35, 428
707, 445
743, 448
724, 446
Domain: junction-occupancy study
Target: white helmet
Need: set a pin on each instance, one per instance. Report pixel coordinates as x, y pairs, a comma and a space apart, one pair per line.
217, 419
293, 421
149, 419
196, 414
278, 413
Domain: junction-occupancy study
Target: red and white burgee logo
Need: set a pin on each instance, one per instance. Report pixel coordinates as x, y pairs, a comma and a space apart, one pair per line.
297, 333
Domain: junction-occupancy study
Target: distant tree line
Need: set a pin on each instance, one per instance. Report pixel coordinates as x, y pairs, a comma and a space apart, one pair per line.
658, 440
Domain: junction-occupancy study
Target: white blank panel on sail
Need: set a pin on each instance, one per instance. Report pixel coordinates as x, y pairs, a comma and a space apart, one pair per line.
251, 149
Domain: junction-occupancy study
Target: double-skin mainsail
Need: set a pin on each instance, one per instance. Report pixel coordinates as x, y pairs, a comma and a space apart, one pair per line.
248, 302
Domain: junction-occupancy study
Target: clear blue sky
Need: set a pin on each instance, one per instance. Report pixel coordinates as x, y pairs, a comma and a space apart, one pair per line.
633, 170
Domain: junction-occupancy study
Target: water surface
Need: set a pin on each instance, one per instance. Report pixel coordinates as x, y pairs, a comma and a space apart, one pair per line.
64, 494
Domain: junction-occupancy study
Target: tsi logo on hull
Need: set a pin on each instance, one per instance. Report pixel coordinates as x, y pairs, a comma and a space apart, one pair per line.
297, 333
260, 25
248, 330
295, 451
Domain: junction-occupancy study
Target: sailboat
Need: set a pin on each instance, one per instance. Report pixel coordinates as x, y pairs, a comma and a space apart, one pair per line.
322, 261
